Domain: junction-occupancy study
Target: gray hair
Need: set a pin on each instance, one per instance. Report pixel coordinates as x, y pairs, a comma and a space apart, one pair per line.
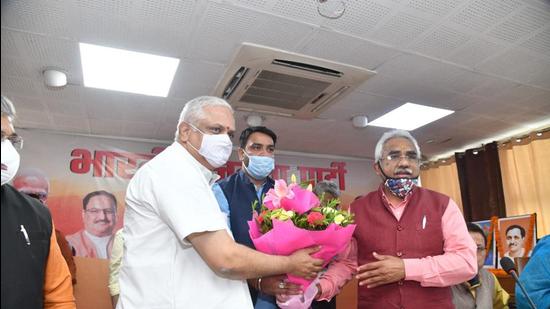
193, 111
7, 108
326, 186
391, 135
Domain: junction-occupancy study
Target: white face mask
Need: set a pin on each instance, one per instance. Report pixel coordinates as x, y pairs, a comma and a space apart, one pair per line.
10, 161
215, 148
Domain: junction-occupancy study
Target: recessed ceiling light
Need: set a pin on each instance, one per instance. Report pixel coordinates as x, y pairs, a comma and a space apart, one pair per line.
539, 133
127, 71
410, 116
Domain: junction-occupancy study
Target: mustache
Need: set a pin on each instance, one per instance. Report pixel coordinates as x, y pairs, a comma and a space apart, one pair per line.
102, 221
407, 171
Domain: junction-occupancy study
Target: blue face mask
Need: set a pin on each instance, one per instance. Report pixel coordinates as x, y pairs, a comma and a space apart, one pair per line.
259, 167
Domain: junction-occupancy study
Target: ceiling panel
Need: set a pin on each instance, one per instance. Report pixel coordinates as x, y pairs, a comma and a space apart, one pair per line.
489, 60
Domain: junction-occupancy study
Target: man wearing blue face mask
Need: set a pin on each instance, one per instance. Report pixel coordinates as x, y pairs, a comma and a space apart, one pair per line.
412, 243
236, 193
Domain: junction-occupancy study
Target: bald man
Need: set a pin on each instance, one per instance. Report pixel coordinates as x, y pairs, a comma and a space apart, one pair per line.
35, 183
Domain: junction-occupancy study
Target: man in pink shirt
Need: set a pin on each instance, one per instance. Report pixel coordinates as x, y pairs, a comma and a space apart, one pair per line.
412, 243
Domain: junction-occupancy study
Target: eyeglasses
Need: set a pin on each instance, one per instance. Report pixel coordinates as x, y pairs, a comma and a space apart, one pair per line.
16, 140
96, 211
395, 157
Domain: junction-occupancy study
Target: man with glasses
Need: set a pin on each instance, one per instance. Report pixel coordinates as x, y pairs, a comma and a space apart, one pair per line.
483, 290
412, 243
178, 249
99, 217
34, 273
34, 183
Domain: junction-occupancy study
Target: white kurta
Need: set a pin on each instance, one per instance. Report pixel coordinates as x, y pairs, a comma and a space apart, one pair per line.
168, 199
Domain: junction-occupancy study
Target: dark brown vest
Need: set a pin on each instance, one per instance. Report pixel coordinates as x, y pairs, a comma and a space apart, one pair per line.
378, 230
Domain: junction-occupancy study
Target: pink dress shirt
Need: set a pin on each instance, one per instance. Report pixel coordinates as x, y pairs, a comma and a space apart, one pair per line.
436, 271
440, 270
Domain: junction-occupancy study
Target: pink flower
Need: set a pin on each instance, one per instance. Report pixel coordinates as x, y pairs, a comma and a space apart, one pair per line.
279, 192
302, 202
315, 218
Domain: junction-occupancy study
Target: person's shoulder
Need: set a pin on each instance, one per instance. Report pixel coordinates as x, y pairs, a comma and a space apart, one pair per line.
74, 236
31, 204
235, 177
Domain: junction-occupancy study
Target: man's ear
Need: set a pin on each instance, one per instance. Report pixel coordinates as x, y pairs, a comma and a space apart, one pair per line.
184, 132
240, 153
376, 168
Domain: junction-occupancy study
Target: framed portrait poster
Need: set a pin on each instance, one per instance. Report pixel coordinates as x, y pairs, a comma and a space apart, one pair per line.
517, 236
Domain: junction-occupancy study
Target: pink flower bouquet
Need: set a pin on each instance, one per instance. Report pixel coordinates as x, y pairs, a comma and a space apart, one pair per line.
291, 218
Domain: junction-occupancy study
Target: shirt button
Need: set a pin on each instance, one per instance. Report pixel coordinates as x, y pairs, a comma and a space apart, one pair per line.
399, 253
400, 282
399, 228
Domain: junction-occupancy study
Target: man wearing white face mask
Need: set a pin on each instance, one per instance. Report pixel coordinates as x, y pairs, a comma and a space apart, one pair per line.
178, 250
236, 194
34, 273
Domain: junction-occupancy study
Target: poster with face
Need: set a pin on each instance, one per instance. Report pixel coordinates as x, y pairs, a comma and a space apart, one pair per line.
491, 253
516, 237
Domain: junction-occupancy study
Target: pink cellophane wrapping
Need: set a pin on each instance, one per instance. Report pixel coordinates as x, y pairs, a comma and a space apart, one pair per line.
285, 239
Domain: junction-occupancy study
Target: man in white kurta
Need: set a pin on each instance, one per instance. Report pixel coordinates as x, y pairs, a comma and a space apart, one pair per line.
171, 195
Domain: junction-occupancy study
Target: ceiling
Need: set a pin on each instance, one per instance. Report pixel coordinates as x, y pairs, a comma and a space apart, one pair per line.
489, 60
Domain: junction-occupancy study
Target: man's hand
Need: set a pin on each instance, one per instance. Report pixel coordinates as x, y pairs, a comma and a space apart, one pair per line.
386, 270
303, 265
278, 285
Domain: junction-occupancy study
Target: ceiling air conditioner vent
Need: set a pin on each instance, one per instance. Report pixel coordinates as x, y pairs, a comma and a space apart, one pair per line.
266, 80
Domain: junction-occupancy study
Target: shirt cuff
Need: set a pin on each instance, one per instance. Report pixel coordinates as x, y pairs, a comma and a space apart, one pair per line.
413, 269
325, 287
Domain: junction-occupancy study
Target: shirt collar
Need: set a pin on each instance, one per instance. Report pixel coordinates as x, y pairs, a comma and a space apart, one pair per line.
210, 176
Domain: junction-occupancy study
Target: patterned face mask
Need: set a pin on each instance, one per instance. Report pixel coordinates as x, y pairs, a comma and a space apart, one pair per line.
401, 187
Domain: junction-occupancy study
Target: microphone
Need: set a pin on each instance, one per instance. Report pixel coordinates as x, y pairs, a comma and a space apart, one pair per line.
509, 267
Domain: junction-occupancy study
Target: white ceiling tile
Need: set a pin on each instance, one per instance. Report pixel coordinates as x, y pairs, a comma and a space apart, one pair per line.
303, 11
140, 129
33, 116
434, 7
528, 20
71, 123
39, 16
26, 103
401, 29
215, 39
24, 86
541, 78
360, 17
441, 42
515, 64
280, 33
479, 15
359, 103
9, 45
106, 126
540, 42
14, 67
68, 108
474, 52
492, 87
331, 46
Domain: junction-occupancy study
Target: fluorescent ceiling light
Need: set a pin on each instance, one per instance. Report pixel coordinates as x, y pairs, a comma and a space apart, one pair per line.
127, 71
410, 116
